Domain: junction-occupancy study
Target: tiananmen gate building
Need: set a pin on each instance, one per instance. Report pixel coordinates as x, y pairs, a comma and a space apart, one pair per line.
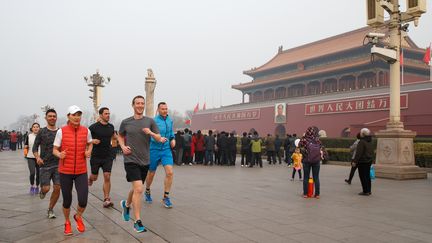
333, 84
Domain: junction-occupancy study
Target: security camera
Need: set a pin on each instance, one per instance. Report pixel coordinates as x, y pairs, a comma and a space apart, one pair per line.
375, 35
388, 55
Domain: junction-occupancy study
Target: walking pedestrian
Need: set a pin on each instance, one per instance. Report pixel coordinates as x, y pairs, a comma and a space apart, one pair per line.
353, 149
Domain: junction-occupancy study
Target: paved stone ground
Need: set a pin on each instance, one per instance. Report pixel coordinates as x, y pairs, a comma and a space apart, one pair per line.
228, 204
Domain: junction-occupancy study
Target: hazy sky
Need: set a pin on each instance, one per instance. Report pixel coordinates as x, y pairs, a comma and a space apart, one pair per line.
196, 48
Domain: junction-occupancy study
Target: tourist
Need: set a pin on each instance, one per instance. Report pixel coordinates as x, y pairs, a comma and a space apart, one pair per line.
245, 150
353, 149
209, 143
256, 144
363, 160
310, 146
297, 158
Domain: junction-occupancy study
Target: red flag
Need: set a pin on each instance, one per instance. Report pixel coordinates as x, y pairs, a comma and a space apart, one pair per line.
401, 59
196, 109
427, 55
188, 122
204, 106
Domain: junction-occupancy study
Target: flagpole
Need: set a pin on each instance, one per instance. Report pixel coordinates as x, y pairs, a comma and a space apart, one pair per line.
403, 64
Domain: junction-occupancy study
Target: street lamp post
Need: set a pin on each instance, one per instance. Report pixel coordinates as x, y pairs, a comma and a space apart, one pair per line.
395, 149
96, 82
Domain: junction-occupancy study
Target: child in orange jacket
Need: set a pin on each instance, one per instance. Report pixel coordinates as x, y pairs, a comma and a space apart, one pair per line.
297, 163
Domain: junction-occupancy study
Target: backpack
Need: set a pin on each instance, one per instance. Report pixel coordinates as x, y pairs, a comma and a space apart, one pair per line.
313, 152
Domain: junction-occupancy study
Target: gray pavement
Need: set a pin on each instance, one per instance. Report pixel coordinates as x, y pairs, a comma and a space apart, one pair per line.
227, 204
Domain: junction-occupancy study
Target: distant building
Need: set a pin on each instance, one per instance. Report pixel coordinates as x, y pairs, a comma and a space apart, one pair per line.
332, 84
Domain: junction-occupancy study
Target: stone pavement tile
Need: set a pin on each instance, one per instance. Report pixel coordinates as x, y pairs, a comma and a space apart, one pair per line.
232, 225
14, 234
190, 239
82, 240
44, 224
361, 239
215, 234
259, 235
308, 237
8, 223
357, 232
323, 230
276, 228
426, 237
10, 213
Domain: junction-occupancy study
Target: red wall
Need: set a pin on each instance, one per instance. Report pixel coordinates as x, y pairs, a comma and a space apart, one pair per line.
418, 117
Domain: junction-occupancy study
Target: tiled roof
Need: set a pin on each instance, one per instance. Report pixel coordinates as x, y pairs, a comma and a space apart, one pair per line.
334, 44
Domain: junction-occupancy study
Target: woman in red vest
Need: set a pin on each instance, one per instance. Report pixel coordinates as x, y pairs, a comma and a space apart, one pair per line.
73, 144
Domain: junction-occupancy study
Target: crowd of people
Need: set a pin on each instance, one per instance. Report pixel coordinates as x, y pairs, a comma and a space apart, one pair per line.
12, 140
58, 157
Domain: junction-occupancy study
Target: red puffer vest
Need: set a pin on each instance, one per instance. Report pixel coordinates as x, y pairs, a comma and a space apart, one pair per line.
74, 140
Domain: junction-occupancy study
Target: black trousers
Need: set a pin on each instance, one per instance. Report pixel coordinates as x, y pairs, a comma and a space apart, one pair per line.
353, 169
364, 174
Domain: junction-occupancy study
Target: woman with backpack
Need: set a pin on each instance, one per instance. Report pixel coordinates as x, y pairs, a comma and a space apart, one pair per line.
311, 147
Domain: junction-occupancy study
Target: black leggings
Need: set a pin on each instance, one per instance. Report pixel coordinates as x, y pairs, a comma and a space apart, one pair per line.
81, 186
294, 172
34, 171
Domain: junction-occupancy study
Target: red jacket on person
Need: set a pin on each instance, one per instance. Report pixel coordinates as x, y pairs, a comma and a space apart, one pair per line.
74, 141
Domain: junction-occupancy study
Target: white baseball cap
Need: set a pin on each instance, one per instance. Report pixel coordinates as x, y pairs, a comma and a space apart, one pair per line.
74, 109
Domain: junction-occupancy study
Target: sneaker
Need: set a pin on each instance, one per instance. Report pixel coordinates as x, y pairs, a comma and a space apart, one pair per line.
139, 227
68, 228
148, 197
190, 164
183, 164
305, 196
51, 214
125, 212
80, 223
107, 203
42, 195
31, 192
167, 202
317, 196
348, 181
36, 190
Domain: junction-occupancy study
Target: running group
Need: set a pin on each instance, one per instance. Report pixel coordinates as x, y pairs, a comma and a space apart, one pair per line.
60, 156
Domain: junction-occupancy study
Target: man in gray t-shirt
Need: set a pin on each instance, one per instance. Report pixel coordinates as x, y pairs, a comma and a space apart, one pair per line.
134, 140
137, 139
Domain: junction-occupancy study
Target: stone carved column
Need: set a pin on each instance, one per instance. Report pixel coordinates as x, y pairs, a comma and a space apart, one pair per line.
150, 85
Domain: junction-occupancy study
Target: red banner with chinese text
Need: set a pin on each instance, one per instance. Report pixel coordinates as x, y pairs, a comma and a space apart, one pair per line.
354, 105
236, 115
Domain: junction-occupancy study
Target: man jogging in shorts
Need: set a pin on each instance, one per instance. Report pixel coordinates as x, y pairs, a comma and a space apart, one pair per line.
102, 132
134, 139
47, 161
161, 153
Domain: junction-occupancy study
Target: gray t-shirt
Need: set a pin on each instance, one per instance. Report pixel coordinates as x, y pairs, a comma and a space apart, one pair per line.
136, 139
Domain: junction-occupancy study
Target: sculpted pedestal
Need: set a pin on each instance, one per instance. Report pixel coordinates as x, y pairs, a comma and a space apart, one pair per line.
150, 85
395, 154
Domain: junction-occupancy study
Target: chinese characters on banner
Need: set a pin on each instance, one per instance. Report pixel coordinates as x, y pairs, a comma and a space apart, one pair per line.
354, 105
236, 115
